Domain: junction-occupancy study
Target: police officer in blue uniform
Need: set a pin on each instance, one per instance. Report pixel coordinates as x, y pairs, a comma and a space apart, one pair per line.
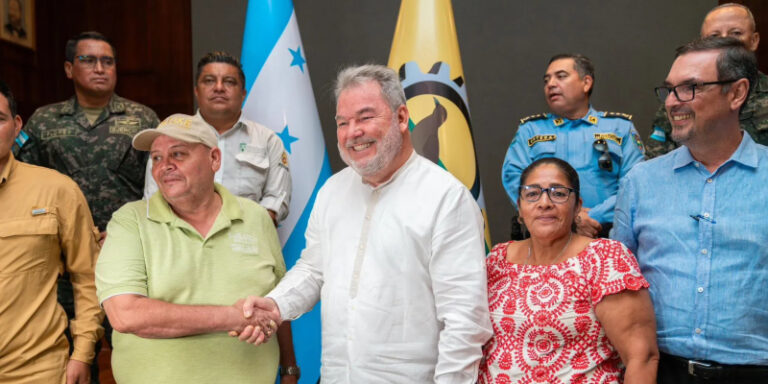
601, 146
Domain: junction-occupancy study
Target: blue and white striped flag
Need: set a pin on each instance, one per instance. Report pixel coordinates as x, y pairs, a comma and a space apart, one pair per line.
280, 97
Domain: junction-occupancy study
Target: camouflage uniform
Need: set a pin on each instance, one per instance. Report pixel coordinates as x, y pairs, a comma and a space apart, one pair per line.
98, 156
754, 120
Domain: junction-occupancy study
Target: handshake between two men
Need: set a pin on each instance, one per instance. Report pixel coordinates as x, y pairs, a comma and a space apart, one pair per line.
261, 320
253, 320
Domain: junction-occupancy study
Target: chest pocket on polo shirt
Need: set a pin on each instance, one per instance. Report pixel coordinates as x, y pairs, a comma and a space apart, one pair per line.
253, 166
35, 239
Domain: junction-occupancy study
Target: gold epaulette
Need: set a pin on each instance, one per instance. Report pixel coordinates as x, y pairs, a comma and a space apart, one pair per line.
533, 117
620, 115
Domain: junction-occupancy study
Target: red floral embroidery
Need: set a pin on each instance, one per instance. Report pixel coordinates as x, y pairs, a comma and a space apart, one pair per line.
621, 266
633, 282
545, 328
541, 344
506, 361
580, 361
508, 325
582, 324
510, 307
540, 374
542, 318
582, 306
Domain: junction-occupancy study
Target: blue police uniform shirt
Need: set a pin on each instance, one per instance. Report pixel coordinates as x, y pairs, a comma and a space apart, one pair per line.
548, 135
701, 239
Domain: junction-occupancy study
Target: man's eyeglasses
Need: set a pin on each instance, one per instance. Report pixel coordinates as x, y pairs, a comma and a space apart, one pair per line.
532, 193
604, 161
685, 92
90, 61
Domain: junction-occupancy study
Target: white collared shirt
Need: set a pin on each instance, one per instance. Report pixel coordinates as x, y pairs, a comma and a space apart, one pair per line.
253, 165
400, 270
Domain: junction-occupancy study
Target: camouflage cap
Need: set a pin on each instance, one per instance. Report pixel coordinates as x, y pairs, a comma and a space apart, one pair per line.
190, 129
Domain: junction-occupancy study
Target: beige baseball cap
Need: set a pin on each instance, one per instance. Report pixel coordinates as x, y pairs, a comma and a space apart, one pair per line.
190, 129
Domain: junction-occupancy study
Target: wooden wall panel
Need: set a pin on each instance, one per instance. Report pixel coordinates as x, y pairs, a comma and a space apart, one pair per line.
154, 50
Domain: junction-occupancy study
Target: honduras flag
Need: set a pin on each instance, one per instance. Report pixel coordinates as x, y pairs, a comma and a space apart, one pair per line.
280, 97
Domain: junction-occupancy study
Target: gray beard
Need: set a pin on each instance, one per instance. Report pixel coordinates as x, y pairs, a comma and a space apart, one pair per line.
389, 147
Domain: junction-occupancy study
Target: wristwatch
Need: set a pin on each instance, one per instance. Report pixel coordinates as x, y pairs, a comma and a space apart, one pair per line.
291, 370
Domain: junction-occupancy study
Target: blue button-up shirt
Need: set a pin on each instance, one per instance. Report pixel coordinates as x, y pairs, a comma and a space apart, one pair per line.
549, 135
701, 240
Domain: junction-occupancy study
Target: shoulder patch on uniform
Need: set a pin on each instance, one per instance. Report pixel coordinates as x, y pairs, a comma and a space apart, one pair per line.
533, 117
540, 138
21, 139
638, 142
608, 136
620, 115
658, 134
284, 159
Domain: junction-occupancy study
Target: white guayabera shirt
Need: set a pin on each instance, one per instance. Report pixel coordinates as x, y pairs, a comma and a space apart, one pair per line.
400, 269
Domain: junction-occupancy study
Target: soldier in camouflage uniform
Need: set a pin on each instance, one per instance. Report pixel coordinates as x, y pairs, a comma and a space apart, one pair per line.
731, 20
88, 137
97, 155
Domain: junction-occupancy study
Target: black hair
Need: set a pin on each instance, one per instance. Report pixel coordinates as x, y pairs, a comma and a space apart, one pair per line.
71, 47
220, 57
734, 62
582, 64
5, 90
570, 174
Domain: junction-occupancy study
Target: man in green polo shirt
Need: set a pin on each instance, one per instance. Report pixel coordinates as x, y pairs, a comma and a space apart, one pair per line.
174, 266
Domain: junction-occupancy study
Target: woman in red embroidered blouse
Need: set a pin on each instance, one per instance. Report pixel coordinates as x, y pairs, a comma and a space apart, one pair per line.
565, 308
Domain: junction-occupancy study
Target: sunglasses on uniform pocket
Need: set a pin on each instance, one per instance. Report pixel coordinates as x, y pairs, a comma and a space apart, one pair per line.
604, 161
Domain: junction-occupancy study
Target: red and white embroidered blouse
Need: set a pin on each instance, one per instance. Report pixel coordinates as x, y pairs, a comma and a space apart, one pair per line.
544, 323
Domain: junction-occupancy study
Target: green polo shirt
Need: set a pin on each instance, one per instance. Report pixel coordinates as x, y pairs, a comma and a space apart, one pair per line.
152, 252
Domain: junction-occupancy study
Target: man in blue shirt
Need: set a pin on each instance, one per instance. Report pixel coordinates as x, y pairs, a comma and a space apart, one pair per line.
601, 146
696, 219
725, 20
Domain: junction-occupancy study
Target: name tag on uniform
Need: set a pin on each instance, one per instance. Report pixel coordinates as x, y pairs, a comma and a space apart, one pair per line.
608, 136
128, 126
541, 138
39, 211
49, 134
